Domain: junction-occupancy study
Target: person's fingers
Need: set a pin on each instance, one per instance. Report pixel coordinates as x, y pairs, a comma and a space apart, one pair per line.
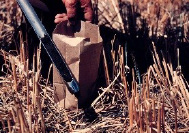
60, 17
58, 20
88, 12
71, 9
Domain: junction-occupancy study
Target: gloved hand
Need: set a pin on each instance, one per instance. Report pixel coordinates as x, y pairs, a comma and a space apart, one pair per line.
71, 8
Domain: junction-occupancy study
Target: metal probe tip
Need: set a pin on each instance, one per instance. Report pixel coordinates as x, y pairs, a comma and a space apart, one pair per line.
73, 86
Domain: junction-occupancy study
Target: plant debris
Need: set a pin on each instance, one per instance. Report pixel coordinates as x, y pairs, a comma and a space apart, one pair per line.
158, 103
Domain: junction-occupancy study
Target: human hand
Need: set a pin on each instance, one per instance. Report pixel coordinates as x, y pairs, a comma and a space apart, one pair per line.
71, 8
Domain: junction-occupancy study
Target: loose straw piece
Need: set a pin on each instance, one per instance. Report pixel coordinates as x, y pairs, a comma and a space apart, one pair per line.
105, 90
69, 123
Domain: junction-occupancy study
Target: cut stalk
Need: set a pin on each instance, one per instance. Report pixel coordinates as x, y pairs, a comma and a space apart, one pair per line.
159, 120
106, 69
131, 112
14, 72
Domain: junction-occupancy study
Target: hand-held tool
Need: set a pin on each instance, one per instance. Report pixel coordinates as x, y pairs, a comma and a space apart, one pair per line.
49, 45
